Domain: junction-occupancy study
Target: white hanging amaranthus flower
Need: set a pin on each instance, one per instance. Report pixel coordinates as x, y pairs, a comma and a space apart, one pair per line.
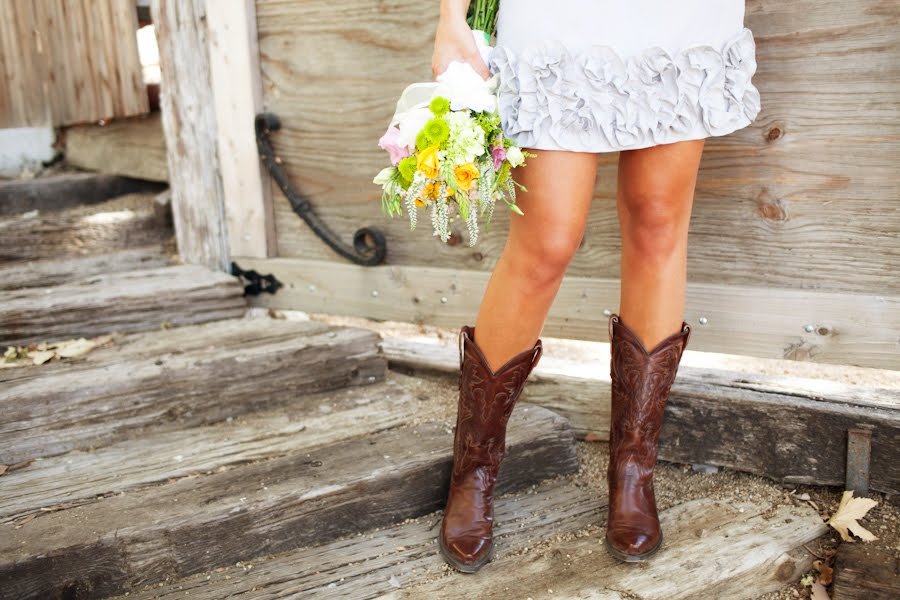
472, 223
415, 188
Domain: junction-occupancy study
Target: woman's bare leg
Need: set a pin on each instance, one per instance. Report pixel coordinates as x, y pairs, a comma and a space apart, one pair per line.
654, 199
538, 250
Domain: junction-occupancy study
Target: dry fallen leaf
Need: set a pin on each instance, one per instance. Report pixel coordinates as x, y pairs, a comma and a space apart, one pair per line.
845, 517
74, 348
40, 357
825, 572
818, 592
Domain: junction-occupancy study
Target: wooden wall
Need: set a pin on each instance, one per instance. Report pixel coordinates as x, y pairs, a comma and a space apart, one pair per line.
65, 61
793, 246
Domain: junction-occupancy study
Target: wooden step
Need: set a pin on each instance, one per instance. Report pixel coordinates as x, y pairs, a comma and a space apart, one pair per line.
548, 539
67, 190
373, 563
703, 408
711, 549
142, 300
304, 497
309, 421
124, 222
60, 270
168, 380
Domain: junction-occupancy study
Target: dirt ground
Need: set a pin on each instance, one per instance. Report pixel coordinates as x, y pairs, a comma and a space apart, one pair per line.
676, 483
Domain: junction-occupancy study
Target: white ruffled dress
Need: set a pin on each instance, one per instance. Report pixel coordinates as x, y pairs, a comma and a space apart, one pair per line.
609, 75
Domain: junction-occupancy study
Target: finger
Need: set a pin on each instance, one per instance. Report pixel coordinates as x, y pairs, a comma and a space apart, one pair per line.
480, 67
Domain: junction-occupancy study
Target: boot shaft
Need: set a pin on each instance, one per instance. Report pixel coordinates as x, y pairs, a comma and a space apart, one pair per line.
486, 402
641, 382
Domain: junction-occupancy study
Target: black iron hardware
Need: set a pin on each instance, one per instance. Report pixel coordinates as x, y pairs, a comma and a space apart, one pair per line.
362, 252
256, 283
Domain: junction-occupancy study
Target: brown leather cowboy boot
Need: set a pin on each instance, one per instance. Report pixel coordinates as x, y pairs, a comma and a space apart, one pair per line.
486, 401
640, 388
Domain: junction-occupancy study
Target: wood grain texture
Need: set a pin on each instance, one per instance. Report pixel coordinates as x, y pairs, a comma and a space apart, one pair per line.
198, 523
315, 419
129, 147
801, 199
60, 270
66, 62
235, 79
361, 566
767, 322
67, 190
865, 573
141, 300
191, 132
790, 429
169, 380
118, 224
711, 549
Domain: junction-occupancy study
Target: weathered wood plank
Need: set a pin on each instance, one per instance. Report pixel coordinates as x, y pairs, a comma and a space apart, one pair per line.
155, 457
373, 565
189, 123
69, 62
711, 549
227, 370
778, 204
865, 573
235, 73
67, 191
198, 523
361, 566
130, 147
60, 270
764, 322
123, 222
716, 416
143, 300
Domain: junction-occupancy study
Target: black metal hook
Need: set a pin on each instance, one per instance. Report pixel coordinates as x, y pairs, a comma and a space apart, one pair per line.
363, 252
256, 283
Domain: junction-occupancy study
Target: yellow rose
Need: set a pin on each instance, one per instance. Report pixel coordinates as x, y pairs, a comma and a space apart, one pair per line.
427, 161
430, 192
465, 174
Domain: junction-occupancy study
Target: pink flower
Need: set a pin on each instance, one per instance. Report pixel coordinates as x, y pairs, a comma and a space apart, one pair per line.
390, 141
499, 155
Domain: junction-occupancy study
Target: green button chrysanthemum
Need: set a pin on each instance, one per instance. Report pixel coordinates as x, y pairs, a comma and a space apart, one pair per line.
439, 106
407, 168
437, 130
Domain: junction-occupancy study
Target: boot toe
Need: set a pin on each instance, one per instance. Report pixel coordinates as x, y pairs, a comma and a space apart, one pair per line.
633, 542
466, 553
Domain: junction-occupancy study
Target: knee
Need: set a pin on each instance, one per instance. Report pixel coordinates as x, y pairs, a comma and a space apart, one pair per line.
543, 260
653, 223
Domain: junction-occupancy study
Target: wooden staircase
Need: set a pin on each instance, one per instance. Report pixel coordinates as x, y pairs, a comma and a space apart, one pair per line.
201, 453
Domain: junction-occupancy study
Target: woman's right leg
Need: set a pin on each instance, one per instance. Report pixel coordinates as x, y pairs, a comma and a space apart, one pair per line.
538, 250
497, 355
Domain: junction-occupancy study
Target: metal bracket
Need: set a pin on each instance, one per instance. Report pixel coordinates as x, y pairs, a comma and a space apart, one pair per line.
256, 283
362, 252
859, 453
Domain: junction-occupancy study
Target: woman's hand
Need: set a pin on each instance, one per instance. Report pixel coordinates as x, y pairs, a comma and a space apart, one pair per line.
454, 41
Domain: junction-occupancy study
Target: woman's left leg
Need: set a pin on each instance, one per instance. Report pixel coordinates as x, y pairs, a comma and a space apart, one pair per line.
655, 195
654, 199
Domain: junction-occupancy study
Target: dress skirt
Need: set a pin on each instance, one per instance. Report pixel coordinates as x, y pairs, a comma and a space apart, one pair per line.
608, 75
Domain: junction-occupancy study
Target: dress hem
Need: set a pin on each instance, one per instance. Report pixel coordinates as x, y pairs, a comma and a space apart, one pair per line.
593, 100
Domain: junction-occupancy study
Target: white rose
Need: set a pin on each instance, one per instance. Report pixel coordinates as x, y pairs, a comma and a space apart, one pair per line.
514, 156
466, 89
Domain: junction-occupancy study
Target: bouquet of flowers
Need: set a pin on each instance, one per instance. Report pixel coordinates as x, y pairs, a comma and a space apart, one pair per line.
446, 146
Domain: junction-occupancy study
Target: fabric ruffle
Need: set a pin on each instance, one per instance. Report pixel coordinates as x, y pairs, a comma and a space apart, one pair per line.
593, 99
